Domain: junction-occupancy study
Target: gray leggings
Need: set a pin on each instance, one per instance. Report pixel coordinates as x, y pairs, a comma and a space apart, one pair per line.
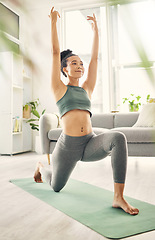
69, 150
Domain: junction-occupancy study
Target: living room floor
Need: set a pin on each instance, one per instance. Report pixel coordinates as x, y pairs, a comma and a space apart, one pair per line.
24, 217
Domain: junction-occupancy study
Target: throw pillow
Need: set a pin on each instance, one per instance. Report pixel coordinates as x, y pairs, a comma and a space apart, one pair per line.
147, 116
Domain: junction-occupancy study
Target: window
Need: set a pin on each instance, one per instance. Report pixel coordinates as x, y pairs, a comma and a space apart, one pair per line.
133, 51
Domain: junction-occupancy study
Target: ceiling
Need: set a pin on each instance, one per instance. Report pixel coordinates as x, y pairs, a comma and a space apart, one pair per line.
34, 4
38, 3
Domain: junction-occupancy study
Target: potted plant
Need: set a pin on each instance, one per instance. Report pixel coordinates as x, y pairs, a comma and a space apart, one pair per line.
34, 122
134, 102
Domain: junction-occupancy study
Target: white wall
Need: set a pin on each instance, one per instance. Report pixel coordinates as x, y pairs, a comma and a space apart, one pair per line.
37, 46
36, 42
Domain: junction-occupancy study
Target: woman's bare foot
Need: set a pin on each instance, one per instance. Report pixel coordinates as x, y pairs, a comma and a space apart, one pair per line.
122, 203
37, 174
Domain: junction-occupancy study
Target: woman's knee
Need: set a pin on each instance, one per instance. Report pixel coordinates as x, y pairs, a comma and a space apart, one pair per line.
56, 189
119, 137
57, 186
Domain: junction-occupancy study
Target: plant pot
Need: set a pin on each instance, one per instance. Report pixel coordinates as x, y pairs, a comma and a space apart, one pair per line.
27, 112
133, 108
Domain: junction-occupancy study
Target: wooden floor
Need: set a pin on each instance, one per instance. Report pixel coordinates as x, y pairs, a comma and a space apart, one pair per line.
24, 217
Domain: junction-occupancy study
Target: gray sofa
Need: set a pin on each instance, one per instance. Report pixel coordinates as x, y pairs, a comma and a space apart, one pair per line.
140, 140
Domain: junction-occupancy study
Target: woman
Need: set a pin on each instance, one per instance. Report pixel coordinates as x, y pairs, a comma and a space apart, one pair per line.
77, 141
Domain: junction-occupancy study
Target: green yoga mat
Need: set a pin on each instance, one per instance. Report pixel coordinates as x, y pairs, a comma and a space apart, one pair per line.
91, 206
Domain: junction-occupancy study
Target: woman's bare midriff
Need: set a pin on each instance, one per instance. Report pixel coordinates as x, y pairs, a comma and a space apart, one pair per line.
77, 123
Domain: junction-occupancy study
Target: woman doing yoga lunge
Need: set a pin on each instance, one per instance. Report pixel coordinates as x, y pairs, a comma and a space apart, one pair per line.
77, 141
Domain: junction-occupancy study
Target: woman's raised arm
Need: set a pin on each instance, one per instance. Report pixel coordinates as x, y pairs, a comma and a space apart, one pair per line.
55, 49
92, 69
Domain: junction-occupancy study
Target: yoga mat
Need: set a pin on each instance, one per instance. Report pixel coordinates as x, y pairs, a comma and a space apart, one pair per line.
91, 206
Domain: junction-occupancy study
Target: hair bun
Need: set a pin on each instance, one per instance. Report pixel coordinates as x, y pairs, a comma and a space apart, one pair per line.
65, 53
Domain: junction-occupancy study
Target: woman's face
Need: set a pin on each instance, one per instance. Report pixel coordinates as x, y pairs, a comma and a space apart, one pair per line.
74, 67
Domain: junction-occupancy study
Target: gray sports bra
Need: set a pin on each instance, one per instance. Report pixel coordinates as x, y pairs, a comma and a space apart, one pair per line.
74, 98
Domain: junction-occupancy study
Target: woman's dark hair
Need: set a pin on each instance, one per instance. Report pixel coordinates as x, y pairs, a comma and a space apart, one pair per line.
64, 55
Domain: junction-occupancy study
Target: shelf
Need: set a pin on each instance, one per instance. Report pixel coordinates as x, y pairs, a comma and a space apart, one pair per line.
26, 77
17, 87
16, 133
26, 119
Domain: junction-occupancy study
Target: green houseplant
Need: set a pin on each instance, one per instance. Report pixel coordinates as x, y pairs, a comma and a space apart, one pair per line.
34, 122
134, 102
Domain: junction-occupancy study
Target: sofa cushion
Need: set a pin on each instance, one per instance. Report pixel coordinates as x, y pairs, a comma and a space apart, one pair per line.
103, 120
146, 116
138, 134
125, 119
